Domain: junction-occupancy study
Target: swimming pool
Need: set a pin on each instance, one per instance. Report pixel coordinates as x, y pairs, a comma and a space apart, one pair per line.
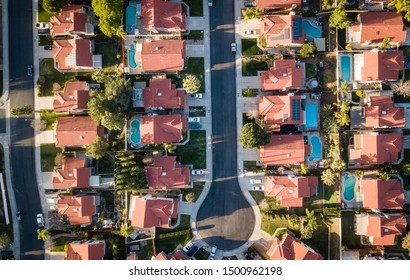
311, 30
345, 62
131, 17
135, 132
131, 57
316, 153
311, 113
349, 182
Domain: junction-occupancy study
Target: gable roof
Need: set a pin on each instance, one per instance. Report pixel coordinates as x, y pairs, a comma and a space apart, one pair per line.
86, 250
148, 211
73, 174
283, 75
291, 190
160, 129
78, 209
282, 30
76, 131
379, 194
277, 4
73, 54
284, 149
381, 112
382, 66
167, 173
281, 109
164, 55
375, 148
178, 255
71, 19
288, 248
158, 14
162, 93
74, 97
381, 229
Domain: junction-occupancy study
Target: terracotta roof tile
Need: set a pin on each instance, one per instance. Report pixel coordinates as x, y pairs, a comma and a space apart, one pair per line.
284, 75
277, 4
382, 66
162, 93
278, 110
167, 173
161, 129
76, 131
71, 19
284, 149
282, 30
381, 112
288, 248
379, 194
383, 230
73, 54
88, 250
165, 55
162, 16
78, 209
74, 97
73, 174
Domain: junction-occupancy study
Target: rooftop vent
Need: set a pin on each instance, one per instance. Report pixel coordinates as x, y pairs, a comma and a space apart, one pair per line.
384, 112
82, 137
164, 174
288, 155
159, 94
71, 174
71, 97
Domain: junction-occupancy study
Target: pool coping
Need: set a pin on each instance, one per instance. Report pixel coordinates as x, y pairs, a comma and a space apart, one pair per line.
349, 203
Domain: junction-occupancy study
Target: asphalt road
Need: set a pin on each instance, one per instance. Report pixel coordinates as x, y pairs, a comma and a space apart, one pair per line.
225, 218
21, 134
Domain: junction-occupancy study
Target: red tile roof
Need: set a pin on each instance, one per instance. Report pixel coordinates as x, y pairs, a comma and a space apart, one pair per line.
73, 54
161, 93
284, 149
178, 255
167, 173
277, 4
76, 131
161, 129
74, 97
279, 30
379, 194
165, 55
376, 148
163, 16
375, 26
290, 190
73, 174
382, 113
147, 212
382, 66
78, 209
382, 230
284, 75
71, 19
88, 250
288, 248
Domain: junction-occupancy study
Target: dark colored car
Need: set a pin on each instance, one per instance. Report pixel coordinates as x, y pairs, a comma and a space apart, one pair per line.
249, 4
194, 125
48, 48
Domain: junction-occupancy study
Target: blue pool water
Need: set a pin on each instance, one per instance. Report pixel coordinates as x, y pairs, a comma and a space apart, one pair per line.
131, 17
311, 115
345, 62
311, 30
135, 131
131, 57
316, 144
349, 181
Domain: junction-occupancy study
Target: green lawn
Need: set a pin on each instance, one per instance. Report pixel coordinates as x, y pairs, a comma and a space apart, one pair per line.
146, 252
251, 67
196, 7
168, 239
53, 76
196, 67
195, 35
48, 153
201, 254
194, 152
349, 238
196, 190
49, 118
197, 111
251, 166
319, 240
105, 165
331, 195
250, 47
310, 70
45, 40
270, 223
43, 16
109, 49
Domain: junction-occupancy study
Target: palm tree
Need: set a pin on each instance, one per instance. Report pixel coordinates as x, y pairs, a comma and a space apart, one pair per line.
251, 13
406, 242
401, 88
252, 114
42, 234
342, 119
344, 89
328, 177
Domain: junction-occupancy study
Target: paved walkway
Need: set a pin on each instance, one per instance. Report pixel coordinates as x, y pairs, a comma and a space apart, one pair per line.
46, 103
406, 141
335, 239
196, 23
253, 82
185, 208
195, 50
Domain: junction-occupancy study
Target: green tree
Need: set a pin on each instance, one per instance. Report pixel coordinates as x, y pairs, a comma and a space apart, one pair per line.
129, 176
53, 7
330, 125
385, 44
401, 88
190, 197
307, 232
307, 49
328, 177
302, 169
191, 83
294, 221
42, 234
20, 111
97, 148
248, 92
338, 165
109, 13
251, 13
385, 170
99, 76
345, 88
360, 93
326, 111
253, 136
4, 240
126, 230
338, 19
402, 6
405, 244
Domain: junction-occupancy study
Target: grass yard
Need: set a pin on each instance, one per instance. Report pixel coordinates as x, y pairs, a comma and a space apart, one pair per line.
43, 16
168, 239
49, 118
109, 49
319, 240
53, 76
196, 67
196, 191
105, 165
251, 67
271, 222
60, 244
349, 238
45, 40
196, 7
48, 153
195, 35
331, 195
194, 152
201, 254
250, 47
251, 166
310, 70
197, 111
146, 252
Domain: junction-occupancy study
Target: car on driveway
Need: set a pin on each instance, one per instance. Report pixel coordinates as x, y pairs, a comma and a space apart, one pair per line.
255, 181
187, 247
195, 126
192, 251
30, 70
213, 252
48, 48
40, 220
43, 25
194, 119
257, 188
197, 172
249, 4
233, 48
250, 32
197, 95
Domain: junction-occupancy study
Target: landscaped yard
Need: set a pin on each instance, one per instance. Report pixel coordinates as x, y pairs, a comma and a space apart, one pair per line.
48, 117
196, 191
53, 76
193, 152
319, 240
310, 70
109, 49
251, 166
251, 67
195, 35
196, 67
167, 240
48, 154
197, 111
201, 254
196, 7
349, 239
105, 165
45, 40
146, 252
271, 222
61, 243
250, 47
43, 16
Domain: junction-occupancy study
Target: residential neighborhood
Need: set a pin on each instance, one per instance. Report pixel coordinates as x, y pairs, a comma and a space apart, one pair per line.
205, 130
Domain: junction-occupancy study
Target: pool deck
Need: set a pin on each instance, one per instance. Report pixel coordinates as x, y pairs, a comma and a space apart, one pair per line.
350, 203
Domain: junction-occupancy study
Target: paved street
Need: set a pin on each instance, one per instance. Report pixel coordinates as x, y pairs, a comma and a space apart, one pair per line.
225, 218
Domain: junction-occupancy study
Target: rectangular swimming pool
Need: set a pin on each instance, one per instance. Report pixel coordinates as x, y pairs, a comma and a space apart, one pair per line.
311, 120
345, 67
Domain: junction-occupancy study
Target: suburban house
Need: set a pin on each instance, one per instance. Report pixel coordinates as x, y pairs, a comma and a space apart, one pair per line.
162, 94
160, 16
379, 194
177, 255
278, 4
149, 211
160, 129
73, 20
279, 110
73, 174
282, 30
288, 247
284, 149
380, 229
167, 173
161, 56
368, 149
290, 190
85, 250
76, 131
79, 210
73, 99
75, 55
284, 75
372, 27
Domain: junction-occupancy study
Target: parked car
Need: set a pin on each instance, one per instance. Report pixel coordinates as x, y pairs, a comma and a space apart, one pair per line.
213, 252
192, 251
43, 25
249, 4
250, 32
233, 47
210, 3
195, 126
43, 31
30, 70
197, 95
257, 188
194, 119
256, 181
40, 220
187, 247
48, 48
198, 172
18, 215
